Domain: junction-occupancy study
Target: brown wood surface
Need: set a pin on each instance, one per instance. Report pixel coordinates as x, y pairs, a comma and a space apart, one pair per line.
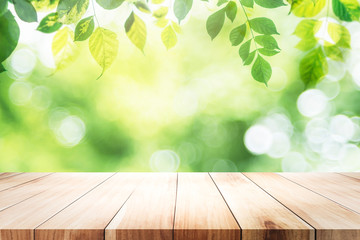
15, 180
149, 212
331, 220
327, 184
19, 221
259, 215
8, 174
201, 213
352, 174
87, 218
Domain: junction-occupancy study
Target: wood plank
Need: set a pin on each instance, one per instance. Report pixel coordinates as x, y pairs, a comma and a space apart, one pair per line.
16, 180
341, 189
87, 218
8, 174
331, 220
201, 212
351, 174
19, 221
260, 216
149, 212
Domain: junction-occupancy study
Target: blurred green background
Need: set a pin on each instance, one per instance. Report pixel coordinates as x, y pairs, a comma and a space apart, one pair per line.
192, 108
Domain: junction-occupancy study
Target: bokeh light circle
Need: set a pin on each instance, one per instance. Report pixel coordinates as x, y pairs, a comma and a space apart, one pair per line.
164, 161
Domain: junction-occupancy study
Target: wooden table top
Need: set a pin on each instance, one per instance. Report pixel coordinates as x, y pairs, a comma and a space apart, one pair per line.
180, 206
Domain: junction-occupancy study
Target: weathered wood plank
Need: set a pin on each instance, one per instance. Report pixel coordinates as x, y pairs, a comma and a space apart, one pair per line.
19, 221
87, 218
149, 212
260, 216
341, 189
331, 220
201, 212
16, 180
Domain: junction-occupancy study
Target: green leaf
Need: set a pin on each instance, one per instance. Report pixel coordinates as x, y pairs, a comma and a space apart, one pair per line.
334, 53
307, 28
176, 27
71, 11
250, 58
307, 44
247, 3
261, 70
237, 35
157, 1
142, 7
215, 22
2, 68
84, 29
267, 41
221, 2
270, 3
103, 46
340, 35
25, 10
109, 4
136, 31
161, 12
162, 22
63, 48
263, 25
268, 52
313, 67
3, 7
307, 8
245, 50
9, 35
49, 24
168, 37
231, 10
346, 10
182, 8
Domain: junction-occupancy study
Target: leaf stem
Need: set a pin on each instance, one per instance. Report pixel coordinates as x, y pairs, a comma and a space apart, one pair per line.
93, 6
248, 20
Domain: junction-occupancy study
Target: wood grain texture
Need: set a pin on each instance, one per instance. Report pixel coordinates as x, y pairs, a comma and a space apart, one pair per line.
259, 215
331, 220
149, 212
87, 218
341, 189
8, 174
201, 213
16, 180
19, 221
351, 174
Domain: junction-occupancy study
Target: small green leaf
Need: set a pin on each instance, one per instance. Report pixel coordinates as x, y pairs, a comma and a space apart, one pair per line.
263, 25
49, 24
182, 8
157, 1
176, 27
25, 10
334, 53
307, 8
247, 3
162, 22
9, 35
3, 7
267, 41
340, 35
136, 31
231, 10
237, 35
103, 46
161, 12
261, 70
307, 28
268, 52
346, 10
142, 7
307, 43
245, 50
250, 58
168, 37
110, 4
313, 67
215, 22
63, 48
71, 11
270, 3
84, 29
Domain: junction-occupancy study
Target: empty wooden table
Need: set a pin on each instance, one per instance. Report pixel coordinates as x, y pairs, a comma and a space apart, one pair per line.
180, 206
